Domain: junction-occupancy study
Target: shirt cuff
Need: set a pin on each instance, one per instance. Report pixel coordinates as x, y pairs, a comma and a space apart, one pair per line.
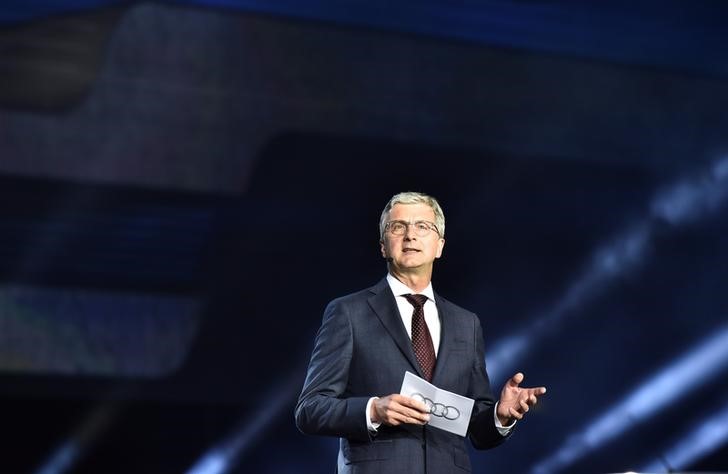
503, 430
371, 426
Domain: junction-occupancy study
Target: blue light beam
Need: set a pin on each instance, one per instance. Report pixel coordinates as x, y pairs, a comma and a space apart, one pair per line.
66, 456
223, 457
684, 202
710, 435
683, 376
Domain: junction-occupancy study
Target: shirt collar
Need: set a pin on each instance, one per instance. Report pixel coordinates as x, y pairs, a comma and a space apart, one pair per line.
399, 288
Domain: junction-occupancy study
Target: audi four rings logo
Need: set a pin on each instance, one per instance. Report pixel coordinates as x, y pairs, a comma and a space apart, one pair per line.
438, 409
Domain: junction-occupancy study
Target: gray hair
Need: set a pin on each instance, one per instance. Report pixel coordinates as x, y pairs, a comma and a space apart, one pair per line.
411, 197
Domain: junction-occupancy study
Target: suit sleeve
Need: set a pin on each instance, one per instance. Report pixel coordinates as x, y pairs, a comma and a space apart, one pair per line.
482, 431
323, 407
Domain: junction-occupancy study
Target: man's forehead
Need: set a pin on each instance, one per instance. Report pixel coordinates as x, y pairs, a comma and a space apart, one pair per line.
412, 210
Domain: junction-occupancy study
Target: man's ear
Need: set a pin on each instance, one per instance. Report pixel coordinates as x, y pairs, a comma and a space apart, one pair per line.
440, 246
382, 249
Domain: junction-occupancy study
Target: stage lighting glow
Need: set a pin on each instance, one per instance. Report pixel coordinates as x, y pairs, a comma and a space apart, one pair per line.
686, 201
80, 331
691, 199
214, 462
62, 460
621, 254
686, 374
224, 456
711, 434
67, 454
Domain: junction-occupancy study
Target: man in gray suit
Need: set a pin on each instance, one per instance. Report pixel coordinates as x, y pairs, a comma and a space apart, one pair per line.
369, 339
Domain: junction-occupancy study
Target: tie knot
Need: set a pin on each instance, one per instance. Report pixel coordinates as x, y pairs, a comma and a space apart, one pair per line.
418, 301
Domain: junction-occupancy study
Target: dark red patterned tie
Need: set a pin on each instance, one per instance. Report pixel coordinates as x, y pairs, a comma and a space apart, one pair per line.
421, 339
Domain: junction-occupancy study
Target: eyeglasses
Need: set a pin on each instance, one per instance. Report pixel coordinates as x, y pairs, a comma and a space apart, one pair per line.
422, 228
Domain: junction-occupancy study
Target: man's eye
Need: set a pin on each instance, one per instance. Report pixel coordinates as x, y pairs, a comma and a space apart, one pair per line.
422, 226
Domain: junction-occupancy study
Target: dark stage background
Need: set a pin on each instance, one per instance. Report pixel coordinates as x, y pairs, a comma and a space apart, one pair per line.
176, 177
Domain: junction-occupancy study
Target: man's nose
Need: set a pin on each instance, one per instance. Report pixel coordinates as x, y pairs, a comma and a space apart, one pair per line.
409, 233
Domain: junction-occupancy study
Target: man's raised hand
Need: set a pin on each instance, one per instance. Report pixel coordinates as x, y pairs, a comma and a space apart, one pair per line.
515, 401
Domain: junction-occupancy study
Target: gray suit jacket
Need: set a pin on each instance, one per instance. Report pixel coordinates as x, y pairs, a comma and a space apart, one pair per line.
362, 350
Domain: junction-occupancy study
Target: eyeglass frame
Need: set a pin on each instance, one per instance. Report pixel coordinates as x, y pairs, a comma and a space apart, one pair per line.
430, 226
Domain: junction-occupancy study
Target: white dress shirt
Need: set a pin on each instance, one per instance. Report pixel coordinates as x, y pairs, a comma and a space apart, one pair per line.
432, 317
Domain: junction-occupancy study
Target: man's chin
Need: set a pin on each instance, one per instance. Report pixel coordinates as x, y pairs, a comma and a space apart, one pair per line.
411, 266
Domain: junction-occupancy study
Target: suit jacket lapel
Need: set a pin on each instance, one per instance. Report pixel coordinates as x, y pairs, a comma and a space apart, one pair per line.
384, 306
447, 335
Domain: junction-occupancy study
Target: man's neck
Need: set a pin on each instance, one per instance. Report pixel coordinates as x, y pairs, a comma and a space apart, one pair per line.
415, 281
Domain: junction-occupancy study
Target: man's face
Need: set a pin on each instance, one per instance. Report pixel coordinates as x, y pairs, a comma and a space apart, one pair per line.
411, 252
